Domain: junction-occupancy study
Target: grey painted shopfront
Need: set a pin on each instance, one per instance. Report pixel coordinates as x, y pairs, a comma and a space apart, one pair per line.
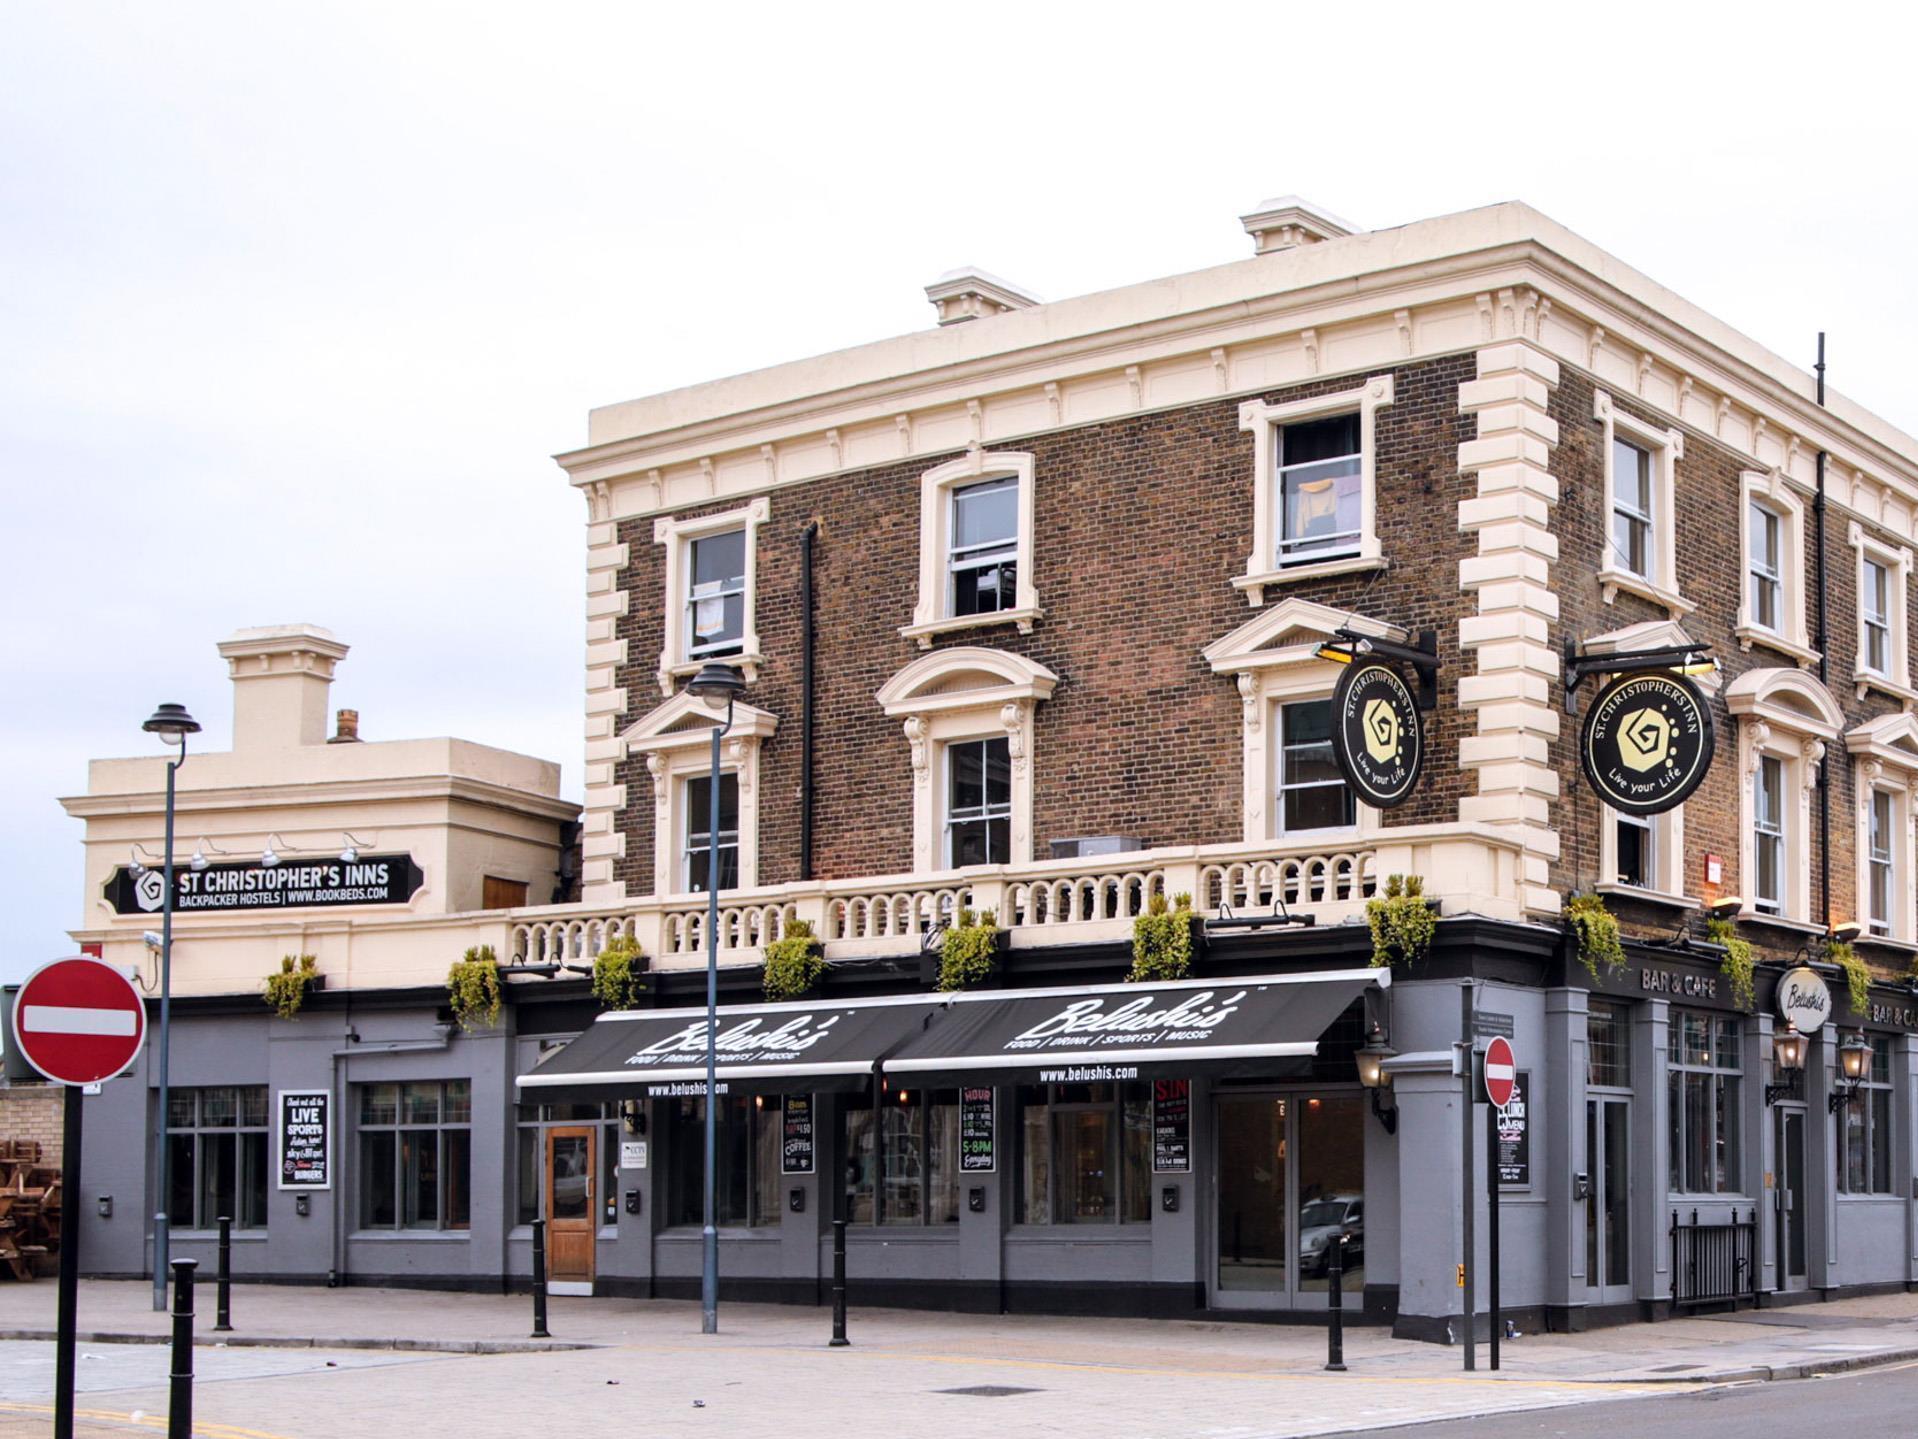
1646, 1102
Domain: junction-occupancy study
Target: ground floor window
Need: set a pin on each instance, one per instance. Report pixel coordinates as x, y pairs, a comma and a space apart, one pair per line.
416, 1155
1085, 1153
534, 1120
1703, 1125
746, 1160
216, 1156
904, 1169
1864, 1136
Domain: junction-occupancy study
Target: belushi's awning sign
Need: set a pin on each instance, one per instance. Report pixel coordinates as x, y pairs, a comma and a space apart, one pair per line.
765, 1048
291, 884
1133, 1031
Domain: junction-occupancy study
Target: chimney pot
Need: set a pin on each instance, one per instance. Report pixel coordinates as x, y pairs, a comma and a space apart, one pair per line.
346, 728
1287, 222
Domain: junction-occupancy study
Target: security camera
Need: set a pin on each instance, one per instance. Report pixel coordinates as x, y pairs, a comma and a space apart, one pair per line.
152, 938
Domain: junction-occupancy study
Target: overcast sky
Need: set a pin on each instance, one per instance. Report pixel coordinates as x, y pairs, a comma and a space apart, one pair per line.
296, 302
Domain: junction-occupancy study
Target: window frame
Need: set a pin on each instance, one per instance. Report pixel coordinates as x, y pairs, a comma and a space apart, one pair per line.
1769, 492
607, 1127
199, 1131
698, 843
397, 1130
922, 1101
1726, 1091
1341, 545
713, 649
1666, 447
677, 657
989, 813
932, 614
1782, 713
1878, 1130
765, 1207
676, 740
1896, 560
1884, 755
1265, 420
1115, 1107
1280, 705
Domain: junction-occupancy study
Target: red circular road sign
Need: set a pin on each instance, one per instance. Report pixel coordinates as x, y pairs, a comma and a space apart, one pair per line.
1501, 1072
78, 1020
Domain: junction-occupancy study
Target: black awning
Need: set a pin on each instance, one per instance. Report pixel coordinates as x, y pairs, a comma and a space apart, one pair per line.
1132, 1031
763, 1048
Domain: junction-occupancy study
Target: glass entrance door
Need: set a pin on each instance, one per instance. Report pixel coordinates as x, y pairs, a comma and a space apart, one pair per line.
1608, 1254
1789, 1195
1289, 1181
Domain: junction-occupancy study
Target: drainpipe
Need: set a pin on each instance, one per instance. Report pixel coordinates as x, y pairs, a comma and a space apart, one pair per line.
1824, 772
807, 538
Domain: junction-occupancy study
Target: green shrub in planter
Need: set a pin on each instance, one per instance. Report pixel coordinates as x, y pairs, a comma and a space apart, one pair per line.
794, 963
1739, 964
286, 991
1401, 921
472, 988
617, 975
1596, 929
1162, 941
970, 951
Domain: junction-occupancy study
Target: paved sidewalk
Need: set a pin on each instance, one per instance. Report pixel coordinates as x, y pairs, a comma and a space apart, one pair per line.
462, 1358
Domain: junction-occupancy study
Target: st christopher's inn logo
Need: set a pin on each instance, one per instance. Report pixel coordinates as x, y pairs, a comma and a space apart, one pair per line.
1375, 734
1647, 743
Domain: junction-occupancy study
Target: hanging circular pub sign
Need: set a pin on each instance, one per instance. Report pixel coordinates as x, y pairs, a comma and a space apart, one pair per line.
1647, 742
1375, 733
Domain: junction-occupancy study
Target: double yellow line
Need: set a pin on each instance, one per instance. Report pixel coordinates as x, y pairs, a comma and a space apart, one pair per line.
145, 1421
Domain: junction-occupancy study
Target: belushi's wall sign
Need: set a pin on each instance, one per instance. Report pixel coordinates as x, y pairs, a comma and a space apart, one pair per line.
1647, 741
1376, 737
291, 884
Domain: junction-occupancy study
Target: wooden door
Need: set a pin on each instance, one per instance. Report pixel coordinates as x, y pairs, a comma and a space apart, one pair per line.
571, 1219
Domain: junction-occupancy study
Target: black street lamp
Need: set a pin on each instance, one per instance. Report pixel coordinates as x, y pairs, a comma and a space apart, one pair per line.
716, 686
172, 724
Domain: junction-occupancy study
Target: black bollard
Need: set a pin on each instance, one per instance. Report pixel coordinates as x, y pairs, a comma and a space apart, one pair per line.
223, 1312
1335, 1303
539, 1280
179, 1418
839, 1338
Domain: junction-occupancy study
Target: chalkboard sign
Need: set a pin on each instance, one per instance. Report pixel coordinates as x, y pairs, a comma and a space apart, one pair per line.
306, 1139
1171, 1126
796, 1155
976, 1131
1515, 1139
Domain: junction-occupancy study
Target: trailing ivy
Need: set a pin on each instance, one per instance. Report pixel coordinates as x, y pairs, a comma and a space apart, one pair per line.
969, 952
1857, 974
794, 964
1596, 928
286, 991
1739, 964
472, 988
617, 971
1402, 923
1162, 941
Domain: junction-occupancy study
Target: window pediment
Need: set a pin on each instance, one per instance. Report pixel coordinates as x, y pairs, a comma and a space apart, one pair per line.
1289, 632
966, 677
1792, 699
684, 721
1891, 739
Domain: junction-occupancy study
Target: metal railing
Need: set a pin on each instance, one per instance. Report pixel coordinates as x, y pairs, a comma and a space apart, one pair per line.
1714, 1263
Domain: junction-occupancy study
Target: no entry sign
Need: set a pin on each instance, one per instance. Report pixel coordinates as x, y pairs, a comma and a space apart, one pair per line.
1501, 1072
79, 1020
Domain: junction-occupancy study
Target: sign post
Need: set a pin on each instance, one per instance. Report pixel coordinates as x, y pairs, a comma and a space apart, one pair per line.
1501, 1082
78, 1021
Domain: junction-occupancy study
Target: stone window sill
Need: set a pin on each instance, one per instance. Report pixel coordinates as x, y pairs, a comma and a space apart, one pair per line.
1749, 635
1024, 618
1868, 680
747, 663
1254, 586
1647, 896
1611, 580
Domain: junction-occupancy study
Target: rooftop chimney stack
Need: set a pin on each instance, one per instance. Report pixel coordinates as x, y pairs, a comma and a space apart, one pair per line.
1287, 222
281, 677
969, 293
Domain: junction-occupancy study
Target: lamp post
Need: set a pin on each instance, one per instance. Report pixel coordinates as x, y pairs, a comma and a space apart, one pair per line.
172, 724
716, 686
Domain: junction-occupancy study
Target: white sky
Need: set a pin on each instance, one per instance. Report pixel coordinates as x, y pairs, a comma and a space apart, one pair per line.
295, 302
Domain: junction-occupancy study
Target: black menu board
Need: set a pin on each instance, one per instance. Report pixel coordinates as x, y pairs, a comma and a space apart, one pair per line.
1171, 1126
976, 1131
796, 1154
1515, 1139
306, 1139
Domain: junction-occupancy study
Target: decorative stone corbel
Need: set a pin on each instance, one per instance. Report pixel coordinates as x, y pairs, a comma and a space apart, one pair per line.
1310, 339
1760, 736
1249, 697
915, 727
1403, 319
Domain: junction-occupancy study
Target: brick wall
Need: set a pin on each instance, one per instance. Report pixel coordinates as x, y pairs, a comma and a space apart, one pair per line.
33, 1111
1140, 526
1707, 520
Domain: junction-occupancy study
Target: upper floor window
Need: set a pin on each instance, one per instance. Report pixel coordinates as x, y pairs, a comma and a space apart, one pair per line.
1641, 472
1636, 843
1321, 490
1881, 859
1786, 718
983, 555
1884, 753
716, 594
1315, 492
978, 802
1312, 793
711, 600
1771, 607
1766, 567
1768, 835
697, 853
975, 546
1884, 656
1634, 541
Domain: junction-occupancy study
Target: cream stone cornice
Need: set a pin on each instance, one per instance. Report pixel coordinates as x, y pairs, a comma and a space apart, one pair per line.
1340, 307
320, 796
